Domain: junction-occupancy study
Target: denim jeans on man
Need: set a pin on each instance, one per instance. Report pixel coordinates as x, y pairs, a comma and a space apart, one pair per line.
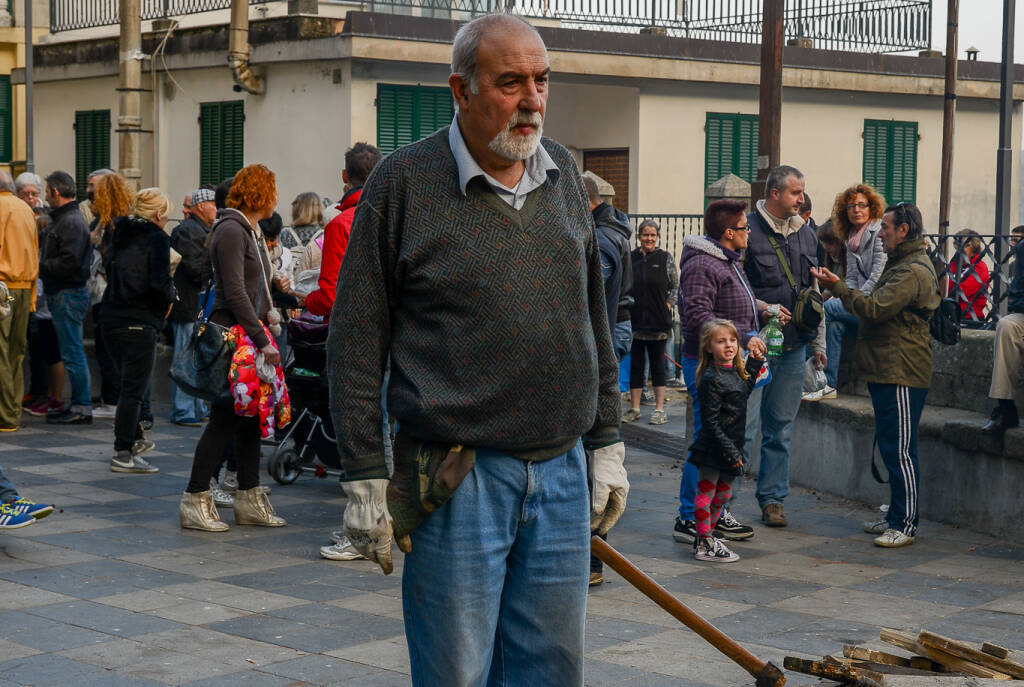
133, 350
184, 406
7, 491
774, 409
69, 307
838, 325
897, 414
495, 589
622, 339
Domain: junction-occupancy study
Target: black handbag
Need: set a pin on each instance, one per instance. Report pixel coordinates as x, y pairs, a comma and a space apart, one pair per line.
201, 367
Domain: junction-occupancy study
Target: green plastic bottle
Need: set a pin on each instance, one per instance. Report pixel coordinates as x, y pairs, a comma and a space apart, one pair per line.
773, 338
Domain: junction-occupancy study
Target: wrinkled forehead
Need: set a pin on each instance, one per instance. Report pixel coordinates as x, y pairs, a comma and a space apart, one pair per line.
512, 48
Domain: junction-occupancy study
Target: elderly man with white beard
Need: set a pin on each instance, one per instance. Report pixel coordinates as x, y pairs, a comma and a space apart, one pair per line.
473, 268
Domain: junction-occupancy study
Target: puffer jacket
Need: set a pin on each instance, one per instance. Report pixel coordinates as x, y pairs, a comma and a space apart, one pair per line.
138, 267
723, 416
893, 341
712, 284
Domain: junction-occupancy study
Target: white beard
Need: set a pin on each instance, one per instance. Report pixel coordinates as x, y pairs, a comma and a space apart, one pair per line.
513, 146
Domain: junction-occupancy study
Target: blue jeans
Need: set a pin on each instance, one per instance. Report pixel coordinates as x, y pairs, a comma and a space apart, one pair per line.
623, 339
69, 307
838, 325
7, 491
184, 406
897, 414
688, 481
776, 406
494, 591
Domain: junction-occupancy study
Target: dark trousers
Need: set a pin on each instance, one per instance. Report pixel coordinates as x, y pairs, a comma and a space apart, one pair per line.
655, 351
105, 360
43, 351
897, 414
227, 428
133, 351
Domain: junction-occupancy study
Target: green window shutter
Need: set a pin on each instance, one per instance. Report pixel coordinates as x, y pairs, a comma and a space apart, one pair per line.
6, 145
92, 145
406, 114
890, 159
221, 140
730, 147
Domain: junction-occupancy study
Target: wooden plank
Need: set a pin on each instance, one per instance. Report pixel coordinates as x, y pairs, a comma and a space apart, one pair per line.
995, 650
861, 654
903, 640
960, 665
922, 663
827, 670
969, 653
888, 669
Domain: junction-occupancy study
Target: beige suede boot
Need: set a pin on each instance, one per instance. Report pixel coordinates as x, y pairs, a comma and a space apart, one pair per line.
198, 512
252, 507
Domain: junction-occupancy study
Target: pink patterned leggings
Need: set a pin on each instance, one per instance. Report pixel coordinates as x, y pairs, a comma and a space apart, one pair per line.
713, 491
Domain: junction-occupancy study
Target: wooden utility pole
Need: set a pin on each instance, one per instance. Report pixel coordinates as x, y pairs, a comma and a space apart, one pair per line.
30, 156
1004, 156
948, 115
129, 119
770, 110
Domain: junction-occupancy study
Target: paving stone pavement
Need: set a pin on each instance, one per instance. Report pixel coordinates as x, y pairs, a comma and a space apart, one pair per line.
110, 591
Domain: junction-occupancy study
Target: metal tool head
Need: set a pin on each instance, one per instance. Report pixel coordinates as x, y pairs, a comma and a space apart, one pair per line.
770, 676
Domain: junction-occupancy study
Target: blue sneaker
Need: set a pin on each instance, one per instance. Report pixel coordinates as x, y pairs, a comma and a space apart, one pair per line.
36, 510
12, 520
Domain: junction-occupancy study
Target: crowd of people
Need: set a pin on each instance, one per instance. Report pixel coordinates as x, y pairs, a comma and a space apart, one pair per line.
479, 292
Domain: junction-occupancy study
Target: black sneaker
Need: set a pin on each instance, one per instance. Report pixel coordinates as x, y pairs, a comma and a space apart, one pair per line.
69, 417
732, 529
685, 531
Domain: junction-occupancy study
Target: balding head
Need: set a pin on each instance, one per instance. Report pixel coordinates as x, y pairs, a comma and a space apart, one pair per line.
466, 46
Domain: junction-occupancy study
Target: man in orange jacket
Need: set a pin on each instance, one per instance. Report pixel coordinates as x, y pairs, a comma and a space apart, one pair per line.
359, 162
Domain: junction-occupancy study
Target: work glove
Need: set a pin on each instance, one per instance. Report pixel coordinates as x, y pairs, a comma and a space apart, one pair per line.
368, 524
610, 486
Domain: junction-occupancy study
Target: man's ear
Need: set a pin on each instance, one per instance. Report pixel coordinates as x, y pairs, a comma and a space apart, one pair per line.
344, 176
460, 90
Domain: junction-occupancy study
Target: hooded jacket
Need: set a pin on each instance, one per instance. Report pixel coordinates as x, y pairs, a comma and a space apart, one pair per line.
893, 340
713, 284
66, 252
138, 267
613, 228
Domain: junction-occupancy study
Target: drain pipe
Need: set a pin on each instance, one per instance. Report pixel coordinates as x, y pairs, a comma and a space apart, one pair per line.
238, 49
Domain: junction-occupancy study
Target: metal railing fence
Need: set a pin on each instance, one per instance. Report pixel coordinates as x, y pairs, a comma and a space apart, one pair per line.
978, 284
673, 228
857, 25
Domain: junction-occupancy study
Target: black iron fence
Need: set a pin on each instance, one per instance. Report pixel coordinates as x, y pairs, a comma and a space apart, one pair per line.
975, 271
66, 15
673, 229
859, 25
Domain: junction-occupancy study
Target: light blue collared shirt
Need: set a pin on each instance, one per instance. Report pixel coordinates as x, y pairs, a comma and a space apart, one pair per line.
538, 167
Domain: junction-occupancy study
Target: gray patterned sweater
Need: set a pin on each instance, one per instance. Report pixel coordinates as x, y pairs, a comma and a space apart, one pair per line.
493, 319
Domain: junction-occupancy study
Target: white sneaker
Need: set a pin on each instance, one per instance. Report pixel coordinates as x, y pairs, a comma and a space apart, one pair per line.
828, 393
878, 527
893, 539
229, 481
104, 411
221, 498
713, 550
140, 446
341, 551
338, 537
128, 462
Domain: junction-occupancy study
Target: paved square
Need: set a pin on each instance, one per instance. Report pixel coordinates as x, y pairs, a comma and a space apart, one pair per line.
110, 591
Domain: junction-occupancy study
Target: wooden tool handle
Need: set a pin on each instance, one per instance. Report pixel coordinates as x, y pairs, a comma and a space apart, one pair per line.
661, 596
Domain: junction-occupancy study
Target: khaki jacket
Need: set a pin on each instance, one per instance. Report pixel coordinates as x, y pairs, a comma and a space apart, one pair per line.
894, 342
19, 245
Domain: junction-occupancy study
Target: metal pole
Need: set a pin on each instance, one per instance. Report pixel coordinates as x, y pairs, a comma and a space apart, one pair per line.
1004, 156
948, 115
129, 120
770, 109
30, 162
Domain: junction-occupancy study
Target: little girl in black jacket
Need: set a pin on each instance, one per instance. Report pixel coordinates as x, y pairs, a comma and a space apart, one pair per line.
724, 384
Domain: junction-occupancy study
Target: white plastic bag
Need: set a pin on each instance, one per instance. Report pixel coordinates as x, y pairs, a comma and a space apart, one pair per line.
814, 379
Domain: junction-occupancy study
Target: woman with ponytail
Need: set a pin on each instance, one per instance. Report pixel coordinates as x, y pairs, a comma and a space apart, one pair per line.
139, 296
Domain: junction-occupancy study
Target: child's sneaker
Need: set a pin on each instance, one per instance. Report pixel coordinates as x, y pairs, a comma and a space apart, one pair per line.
712, 550
10, 519
26, 507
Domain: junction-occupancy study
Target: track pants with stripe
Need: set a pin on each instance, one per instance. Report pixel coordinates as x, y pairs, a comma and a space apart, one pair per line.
897, 414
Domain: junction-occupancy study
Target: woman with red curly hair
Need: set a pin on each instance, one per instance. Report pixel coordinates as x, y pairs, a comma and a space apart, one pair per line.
856, 220
241, 271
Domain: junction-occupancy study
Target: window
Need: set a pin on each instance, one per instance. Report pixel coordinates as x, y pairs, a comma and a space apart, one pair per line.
730, 147
406, 114
221, 140
890, 159
613, 167
6, 151
92, 144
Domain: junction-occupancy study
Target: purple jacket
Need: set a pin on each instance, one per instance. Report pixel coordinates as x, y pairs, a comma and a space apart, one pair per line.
712, 284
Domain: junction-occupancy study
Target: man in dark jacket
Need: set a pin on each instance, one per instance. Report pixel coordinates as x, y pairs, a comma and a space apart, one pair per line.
776, 220
894, 356
65, 259
610, 224
189, 240
1008, 351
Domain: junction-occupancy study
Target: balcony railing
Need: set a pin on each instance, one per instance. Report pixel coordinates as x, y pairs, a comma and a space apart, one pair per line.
858, 25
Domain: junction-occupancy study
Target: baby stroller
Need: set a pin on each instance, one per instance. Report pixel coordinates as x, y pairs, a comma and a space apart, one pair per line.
308, 444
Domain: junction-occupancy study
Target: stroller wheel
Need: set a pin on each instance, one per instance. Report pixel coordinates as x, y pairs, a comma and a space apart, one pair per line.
284, 466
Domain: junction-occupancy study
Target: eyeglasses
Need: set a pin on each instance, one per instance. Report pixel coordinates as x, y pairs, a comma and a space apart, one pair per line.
858, 206
739, 228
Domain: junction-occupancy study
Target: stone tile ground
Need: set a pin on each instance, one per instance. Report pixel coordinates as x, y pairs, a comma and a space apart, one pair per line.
110, 591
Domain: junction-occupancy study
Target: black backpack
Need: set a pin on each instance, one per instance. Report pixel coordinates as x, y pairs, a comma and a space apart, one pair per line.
945, 322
